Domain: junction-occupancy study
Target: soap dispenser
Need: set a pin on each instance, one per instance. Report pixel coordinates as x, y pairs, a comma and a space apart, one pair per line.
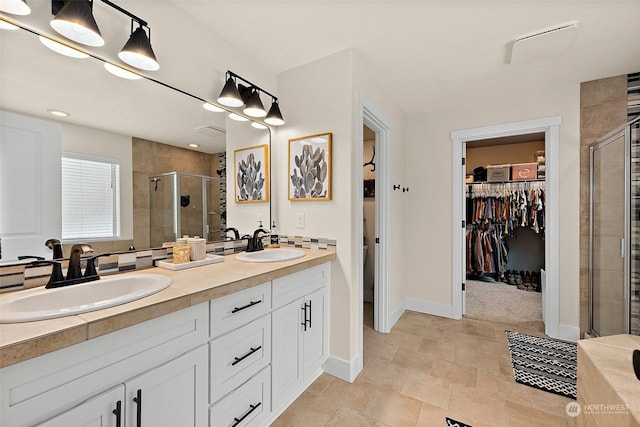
275, 240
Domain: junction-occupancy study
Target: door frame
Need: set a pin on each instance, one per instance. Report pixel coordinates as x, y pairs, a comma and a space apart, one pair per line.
368, 114
551, 128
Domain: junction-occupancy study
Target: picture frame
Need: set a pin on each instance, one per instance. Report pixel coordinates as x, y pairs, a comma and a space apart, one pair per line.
251, 167
309, 173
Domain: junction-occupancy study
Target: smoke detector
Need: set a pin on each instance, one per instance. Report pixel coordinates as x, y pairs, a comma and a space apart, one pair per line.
542, 44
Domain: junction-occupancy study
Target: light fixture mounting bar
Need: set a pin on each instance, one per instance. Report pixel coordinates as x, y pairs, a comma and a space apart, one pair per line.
56, 5
251, 85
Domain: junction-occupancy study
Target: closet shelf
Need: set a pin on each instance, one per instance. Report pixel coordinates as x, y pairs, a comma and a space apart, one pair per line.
506, 182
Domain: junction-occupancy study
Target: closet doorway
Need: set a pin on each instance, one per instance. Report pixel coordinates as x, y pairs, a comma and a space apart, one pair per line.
550, 126
505, 229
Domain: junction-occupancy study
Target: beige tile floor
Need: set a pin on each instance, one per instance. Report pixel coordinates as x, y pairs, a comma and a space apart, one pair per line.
428, 368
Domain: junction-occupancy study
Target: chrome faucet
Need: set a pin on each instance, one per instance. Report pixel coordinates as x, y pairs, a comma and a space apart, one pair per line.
254, 243
74, 271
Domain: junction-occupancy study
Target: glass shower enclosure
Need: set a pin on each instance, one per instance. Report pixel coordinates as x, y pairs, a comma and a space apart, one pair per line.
185, 204
614, 232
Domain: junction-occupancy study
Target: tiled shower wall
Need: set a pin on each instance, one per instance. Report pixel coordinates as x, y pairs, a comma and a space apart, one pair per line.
605, 104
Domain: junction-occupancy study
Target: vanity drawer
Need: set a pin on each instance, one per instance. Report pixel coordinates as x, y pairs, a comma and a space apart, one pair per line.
237, 309
238, 355
297, 285
246, 406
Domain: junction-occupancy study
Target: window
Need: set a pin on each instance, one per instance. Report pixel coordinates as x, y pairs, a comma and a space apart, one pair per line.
90, 197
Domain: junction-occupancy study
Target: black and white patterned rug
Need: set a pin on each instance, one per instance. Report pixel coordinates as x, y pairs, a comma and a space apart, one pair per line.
454, 423
543, 363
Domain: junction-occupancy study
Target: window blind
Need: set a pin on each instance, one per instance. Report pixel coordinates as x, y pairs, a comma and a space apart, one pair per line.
90, 198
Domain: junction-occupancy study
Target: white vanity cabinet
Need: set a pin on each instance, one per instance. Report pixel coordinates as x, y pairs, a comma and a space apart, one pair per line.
299, 333
237, 360
173, 394
165, 358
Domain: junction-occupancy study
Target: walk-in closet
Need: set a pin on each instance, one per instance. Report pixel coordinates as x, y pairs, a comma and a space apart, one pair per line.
505, 229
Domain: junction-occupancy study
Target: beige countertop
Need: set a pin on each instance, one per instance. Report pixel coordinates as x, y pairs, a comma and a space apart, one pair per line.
606, 375
22, 341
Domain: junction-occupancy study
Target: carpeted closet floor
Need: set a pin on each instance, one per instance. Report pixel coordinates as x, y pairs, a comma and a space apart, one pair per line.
501, 303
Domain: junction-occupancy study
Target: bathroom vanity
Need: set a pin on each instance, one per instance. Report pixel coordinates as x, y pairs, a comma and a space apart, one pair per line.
226, 344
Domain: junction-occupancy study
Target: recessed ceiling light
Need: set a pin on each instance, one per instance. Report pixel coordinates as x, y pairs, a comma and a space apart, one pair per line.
258, 125
62, 49
58, 113
237, 117
194, 145
121, 72
209, 106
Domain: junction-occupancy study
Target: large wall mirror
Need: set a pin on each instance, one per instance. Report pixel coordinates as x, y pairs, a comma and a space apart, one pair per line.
166, 186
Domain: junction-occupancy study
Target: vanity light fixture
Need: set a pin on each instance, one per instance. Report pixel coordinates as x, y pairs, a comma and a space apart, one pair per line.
118, 71
238, 95
15, 7
274, 117
210, 107
137, 52
230, 96
74, 19
254, 107
62, 49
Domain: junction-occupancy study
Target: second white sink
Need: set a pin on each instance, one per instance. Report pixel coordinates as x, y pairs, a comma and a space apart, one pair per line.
270, 255
41, 303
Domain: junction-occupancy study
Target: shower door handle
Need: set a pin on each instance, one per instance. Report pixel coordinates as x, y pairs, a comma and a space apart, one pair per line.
622, 248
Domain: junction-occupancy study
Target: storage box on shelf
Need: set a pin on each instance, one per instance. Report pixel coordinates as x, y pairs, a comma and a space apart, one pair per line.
524, 171
498, 173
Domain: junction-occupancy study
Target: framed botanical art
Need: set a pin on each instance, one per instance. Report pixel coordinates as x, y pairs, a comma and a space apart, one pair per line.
252, 174
310, 167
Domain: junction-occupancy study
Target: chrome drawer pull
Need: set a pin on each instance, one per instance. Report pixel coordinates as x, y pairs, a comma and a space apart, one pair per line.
251, 304
251, 409
237, 360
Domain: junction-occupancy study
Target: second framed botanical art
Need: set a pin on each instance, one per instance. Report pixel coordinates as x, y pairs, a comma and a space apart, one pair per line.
310, 167
252, 174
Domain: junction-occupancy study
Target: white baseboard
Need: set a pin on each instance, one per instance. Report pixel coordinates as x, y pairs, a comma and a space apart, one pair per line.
568, 333
343, 369
421, 306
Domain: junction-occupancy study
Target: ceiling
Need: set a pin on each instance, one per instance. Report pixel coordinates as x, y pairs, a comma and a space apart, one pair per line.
433, 55
428, 55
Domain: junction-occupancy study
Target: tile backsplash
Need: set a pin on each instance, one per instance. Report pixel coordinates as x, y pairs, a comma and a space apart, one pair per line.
19, 276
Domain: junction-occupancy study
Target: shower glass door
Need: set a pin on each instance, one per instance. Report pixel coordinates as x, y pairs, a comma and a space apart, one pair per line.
609, 249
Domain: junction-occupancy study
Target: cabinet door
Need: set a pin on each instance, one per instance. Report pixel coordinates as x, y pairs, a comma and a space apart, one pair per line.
173, 394
286, 366
314, 337
104, 410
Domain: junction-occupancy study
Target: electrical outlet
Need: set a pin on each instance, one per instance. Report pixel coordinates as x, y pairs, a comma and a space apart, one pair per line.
300, 220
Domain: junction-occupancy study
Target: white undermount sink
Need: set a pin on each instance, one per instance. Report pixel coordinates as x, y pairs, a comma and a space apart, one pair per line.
41, 303
270, 255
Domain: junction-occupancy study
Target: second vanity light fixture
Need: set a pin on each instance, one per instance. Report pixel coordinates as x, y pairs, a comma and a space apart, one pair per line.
238, 95
74, 20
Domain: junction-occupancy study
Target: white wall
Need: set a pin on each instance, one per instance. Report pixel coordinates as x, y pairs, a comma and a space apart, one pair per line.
95, 142
428, 160
322, 97
316, 98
